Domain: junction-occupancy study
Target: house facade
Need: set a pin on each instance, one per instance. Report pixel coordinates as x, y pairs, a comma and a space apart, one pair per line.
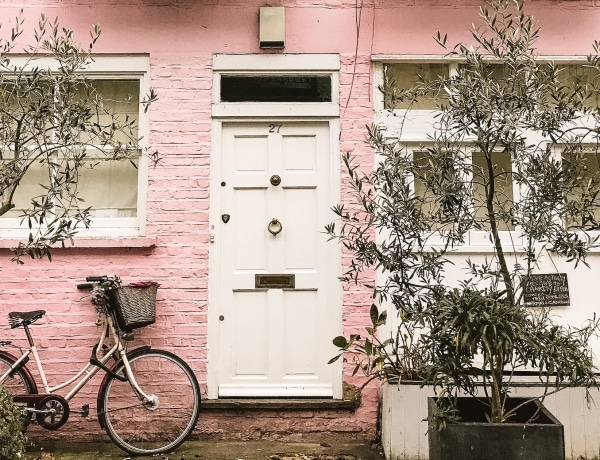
257, 102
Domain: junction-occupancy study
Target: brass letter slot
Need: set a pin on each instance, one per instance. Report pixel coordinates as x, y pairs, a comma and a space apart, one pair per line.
282, 281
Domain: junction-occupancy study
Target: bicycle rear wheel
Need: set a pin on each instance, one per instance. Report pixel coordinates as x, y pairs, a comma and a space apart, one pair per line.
17, 383
159, 426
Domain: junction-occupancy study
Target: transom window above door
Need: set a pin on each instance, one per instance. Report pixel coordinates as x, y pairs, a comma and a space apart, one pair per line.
275, 85
276, 88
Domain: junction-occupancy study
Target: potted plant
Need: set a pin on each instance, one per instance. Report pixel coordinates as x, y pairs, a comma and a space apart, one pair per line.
478, 341
512, 155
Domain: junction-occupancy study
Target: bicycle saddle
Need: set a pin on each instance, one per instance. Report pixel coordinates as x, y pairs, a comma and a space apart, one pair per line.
24, 318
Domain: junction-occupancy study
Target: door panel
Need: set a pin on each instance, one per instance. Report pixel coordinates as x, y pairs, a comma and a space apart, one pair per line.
300, 227
249, 215
300, 310
251, 308
276, 342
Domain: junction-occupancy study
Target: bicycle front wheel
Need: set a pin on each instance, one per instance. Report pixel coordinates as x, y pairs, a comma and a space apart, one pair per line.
160, 425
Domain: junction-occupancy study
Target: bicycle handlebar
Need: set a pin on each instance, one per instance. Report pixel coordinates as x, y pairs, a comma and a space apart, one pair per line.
85, 287
91, 280
97, 279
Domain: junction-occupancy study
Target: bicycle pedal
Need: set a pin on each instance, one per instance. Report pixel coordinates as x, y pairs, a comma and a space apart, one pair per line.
84, 412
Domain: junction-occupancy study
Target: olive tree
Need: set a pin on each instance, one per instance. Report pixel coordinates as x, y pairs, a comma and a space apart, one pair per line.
506, 121
55, 121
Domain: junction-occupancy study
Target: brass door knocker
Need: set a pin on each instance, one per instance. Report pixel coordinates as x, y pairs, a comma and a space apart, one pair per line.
274, 227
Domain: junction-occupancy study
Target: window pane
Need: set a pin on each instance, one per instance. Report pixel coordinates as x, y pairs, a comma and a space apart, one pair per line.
119, 99
427, 187
275, 88
29, 187
582, 168
503, 186
110, 189
497, 72
406, 76
494, 72
585, 76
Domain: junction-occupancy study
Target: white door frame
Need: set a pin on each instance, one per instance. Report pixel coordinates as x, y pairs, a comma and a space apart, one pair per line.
304, 64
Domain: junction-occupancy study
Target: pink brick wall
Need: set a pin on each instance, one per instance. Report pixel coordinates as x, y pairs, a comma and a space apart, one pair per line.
181, 38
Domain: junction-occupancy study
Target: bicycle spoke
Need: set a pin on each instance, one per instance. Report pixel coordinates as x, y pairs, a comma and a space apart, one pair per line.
139, 429
121, 408
177, 408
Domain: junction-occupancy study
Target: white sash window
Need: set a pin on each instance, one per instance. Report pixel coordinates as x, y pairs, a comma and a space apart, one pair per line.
115, 190
411, 123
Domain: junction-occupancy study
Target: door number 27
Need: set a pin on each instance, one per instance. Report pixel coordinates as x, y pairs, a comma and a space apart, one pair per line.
275, 127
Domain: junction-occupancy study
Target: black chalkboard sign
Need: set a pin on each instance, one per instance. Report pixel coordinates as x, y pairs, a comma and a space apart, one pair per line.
546, 290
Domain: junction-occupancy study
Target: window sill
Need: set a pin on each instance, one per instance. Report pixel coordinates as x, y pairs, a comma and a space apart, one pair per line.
485, 250
84, 243
475, 249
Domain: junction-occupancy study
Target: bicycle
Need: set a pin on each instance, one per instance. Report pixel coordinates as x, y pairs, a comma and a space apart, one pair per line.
149, 400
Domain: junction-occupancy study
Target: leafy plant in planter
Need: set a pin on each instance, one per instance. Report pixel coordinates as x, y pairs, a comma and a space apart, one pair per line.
12, 439
505, 121
468, 324
401, 357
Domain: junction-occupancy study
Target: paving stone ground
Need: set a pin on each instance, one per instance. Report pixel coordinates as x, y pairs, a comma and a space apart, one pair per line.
210, 450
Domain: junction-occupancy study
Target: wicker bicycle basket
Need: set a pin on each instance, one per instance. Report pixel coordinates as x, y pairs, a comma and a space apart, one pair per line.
134, 305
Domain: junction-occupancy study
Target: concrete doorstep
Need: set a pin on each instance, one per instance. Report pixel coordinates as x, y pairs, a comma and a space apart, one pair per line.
210, 450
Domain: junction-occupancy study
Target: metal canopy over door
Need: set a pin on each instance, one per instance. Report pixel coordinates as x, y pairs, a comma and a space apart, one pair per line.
277, 316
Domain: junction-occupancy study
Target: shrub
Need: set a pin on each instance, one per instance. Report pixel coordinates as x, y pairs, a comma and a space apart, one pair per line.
12, 439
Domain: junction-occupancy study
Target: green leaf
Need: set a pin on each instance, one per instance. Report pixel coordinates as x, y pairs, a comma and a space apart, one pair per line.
340, 342
374, 314
334, 359
368, 347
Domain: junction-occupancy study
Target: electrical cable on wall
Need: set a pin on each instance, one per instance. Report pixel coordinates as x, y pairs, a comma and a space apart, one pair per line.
358, 19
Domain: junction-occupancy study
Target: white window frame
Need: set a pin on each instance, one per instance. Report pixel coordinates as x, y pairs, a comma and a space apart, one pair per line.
412, 126
104, 67
557, 155
275, 64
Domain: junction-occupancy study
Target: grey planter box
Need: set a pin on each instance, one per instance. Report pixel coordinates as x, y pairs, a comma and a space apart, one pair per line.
404, 414
477, 439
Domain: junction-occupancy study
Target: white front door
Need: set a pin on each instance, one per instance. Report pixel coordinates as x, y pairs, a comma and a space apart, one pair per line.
278, 304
